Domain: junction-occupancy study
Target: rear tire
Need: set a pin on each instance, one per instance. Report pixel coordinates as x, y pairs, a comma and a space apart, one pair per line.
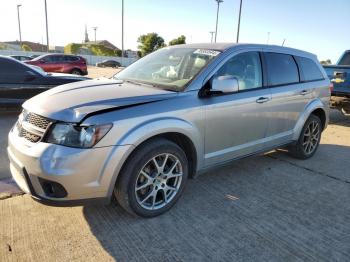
152, 179
309, 139
76, 72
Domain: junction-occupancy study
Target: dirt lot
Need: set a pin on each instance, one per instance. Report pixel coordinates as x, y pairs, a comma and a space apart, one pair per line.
265, 208
95, 72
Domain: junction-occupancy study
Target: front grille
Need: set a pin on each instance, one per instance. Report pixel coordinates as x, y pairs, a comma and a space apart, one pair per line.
29, 136
37, 120
36, 128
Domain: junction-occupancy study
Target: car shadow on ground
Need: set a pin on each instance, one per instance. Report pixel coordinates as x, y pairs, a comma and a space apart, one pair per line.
263, 208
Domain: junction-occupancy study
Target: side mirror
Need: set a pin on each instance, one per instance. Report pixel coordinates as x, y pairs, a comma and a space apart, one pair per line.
224, 84
42, 61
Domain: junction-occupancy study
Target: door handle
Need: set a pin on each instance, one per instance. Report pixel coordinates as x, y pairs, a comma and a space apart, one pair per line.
261, 100
304, 92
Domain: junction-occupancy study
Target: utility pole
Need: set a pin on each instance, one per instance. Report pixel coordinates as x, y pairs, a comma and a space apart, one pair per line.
212, 35
95, 29
284, 40
217, 17
19, 26
47, 28
122, 32
239, 20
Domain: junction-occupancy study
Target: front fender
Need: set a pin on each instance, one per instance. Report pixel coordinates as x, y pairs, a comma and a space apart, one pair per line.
144, 131
312, 106
154, 127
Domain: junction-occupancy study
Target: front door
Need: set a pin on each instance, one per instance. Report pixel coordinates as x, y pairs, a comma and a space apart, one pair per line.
236, 123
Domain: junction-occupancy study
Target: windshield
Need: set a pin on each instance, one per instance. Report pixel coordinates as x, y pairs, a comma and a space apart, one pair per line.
168, 68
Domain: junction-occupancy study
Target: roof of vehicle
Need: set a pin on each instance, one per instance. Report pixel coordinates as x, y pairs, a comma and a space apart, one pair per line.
52, 54
19, 56
9, 58
226, 46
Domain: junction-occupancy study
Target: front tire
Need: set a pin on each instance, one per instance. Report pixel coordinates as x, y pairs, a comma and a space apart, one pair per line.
309, 139
152, 179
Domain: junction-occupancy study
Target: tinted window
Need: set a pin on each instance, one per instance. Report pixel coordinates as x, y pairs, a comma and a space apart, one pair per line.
71, 58
310, 70
48, 59
246, 68
11, 66
12, 71
281, 69
345, 60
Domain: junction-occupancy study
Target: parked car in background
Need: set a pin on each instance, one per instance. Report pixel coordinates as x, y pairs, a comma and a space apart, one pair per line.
34, 56
174, 113
21, 57
20, 81
339, 75
59, 63
108, 63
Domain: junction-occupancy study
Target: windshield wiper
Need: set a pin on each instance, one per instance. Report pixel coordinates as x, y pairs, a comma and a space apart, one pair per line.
150, 84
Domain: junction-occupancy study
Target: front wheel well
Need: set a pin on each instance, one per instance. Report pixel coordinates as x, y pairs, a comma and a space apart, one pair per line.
320, 113
185, 143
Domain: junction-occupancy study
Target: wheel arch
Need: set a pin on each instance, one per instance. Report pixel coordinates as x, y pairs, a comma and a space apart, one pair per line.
182, 133
76, 69
315, 107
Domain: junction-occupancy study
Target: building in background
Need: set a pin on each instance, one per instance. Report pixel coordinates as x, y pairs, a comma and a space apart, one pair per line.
35, 47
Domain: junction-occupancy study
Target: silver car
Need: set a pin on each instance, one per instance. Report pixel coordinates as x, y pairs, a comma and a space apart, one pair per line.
171, 115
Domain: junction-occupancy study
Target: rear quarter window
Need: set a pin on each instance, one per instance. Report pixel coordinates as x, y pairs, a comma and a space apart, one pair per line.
309, 69
281, 69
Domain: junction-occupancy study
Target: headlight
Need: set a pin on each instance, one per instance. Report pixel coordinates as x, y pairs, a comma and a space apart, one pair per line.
77, 136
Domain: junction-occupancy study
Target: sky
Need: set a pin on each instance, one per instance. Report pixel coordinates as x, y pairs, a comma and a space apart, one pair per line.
317, 26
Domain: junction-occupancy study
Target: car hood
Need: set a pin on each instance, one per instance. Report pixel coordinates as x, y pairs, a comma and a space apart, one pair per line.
73, 102
67, 76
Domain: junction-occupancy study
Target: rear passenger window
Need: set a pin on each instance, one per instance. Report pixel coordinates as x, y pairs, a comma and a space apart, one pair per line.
309, 69
71, 58
281, 69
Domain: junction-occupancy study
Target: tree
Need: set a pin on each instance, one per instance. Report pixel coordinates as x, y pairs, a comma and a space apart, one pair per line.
150, 43
26, 48
178, 41
326, 62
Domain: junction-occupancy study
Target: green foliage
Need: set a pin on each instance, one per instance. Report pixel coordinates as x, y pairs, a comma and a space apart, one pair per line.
326, 62
72, 48
101, 50
150, 43
26, 48
118, 52
3, 46
98, 50
178, 41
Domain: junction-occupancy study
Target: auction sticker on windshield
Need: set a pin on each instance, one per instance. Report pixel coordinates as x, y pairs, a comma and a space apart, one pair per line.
206, 52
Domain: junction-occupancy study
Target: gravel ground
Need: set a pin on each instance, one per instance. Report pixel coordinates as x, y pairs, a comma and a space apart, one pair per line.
265, 208
95, 72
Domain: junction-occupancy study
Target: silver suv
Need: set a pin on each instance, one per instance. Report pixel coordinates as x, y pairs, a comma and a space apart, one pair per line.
173, 114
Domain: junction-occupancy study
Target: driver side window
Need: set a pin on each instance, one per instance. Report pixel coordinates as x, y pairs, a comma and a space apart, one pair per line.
246, 67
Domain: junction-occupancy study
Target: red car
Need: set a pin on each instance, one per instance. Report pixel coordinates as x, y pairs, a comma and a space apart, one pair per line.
59, 63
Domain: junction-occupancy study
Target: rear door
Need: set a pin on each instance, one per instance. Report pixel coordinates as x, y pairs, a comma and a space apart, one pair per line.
288, 99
